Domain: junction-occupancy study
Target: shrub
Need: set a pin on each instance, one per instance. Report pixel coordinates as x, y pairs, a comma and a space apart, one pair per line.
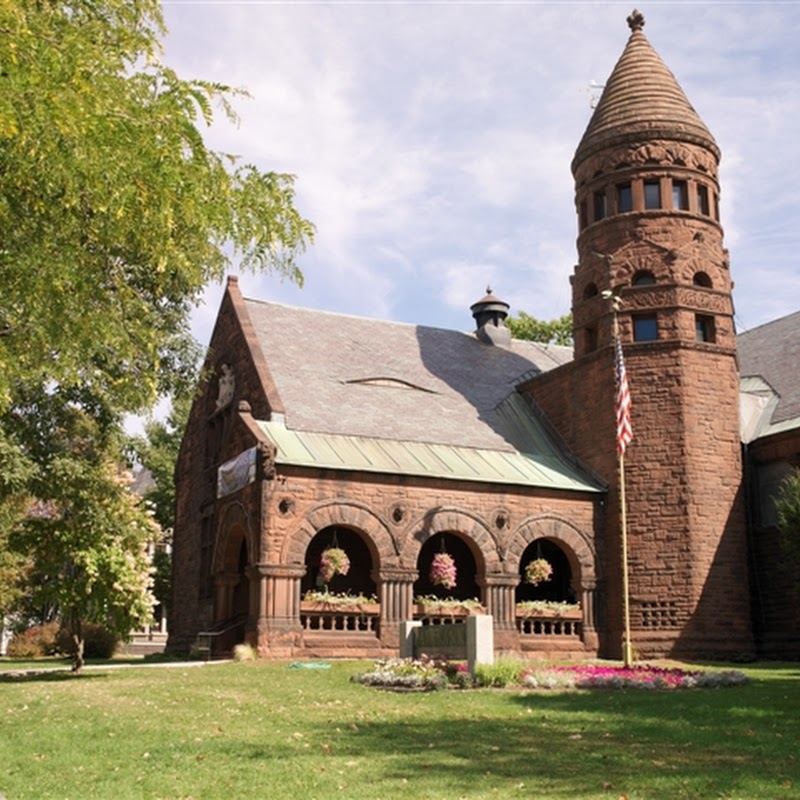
98, 642
35, 642
244, 652
503, 672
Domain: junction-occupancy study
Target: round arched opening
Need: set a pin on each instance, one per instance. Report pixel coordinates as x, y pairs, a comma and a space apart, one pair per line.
702, 279
466, 586
643, 278
357, 581
558, 587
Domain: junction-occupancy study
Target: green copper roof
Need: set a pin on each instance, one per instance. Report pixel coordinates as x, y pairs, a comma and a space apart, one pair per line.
538, 465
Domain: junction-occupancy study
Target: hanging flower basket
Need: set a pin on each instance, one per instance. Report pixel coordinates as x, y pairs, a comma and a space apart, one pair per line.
538, 571
334, 561
443, 570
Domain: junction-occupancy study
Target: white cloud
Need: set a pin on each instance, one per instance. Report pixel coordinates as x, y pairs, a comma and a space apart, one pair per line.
432, 142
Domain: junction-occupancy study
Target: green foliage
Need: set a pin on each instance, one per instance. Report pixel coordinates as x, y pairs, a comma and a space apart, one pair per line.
87, 536
157, 451
504, 672
114, 214
787, 507
16, 470
98, 642
557, 331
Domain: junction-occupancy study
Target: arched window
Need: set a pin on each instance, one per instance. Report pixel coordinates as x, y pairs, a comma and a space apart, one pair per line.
702, 279
589, 291
643, 278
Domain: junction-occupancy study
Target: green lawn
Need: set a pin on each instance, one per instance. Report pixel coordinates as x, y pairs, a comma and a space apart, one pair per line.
264, 730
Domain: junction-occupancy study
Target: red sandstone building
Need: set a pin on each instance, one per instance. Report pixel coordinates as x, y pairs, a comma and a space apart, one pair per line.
395, 442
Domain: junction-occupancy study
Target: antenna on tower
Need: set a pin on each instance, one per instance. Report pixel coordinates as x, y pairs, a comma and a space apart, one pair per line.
595, 90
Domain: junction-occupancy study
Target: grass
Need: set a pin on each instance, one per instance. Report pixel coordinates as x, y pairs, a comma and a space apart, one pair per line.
266, 730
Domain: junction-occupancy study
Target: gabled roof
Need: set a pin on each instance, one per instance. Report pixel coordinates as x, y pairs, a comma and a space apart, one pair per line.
642, 100
769, 356
366, 394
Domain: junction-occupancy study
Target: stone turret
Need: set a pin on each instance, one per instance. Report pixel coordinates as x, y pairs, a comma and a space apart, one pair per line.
647, 196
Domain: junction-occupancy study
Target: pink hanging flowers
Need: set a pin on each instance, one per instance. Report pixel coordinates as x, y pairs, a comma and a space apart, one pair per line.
538, 571
334, 561
443, 570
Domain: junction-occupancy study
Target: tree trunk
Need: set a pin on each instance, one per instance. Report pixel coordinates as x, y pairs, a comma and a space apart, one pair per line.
77, 640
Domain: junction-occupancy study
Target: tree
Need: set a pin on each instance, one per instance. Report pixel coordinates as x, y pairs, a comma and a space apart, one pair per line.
114, 216
157, 452
557, 331
87, 535
787, 507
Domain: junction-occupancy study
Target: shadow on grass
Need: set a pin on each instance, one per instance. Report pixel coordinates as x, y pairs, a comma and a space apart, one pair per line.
732, 742
52, 675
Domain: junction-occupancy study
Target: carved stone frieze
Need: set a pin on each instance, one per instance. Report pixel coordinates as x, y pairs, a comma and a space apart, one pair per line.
661, 153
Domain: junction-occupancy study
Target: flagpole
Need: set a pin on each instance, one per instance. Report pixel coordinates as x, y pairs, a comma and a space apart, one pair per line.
627, 656
627, 650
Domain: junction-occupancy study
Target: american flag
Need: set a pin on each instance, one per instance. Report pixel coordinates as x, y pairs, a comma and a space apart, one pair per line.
623, 402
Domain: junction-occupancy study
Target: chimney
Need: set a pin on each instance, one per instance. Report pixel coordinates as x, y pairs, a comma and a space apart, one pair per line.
490, 314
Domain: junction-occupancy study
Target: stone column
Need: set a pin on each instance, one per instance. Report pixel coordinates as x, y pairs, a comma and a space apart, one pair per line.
498, 591
396, 595
278, 596
586, 592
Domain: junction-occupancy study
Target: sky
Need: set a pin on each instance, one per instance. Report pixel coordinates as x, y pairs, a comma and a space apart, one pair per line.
431, 141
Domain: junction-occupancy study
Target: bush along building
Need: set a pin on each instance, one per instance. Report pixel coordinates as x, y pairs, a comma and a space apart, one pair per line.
340, 475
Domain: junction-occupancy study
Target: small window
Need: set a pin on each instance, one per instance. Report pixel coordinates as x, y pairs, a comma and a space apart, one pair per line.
599, 205
624, 198
680, 195
590, 339
702, 279
704, 328
584, 215
643, 278
645, 328
589, 291
702, 200
652, 194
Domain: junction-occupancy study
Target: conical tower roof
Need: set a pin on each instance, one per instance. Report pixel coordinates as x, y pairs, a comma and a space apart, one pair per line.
642, 101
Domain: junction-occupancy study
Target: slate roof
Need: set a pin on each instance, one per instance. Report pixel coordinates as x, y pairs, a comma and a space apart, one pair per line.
769, 360
376, 390
642, 100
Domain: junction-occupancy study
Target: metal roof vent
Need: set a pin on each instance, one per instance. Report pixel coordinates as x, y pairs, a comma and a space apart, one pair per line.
490, 315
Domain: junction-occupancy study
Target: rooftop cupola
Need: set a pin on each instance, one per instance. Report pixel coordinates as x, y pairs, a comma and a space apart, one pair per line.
490, 320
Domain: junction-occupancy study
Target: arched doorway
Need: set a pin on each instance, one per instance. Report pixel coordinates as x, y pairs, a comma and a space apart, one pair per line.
240, 605
466, 587
559, 588
357, 581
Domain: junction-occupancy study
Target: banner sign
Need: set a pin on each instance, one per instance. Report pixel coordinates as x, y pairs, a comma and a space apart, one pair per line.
237, 473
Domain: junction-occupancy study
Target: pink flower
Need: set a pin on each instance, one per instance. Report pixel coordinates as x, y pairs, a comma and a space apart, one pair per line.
334, 561
443, 570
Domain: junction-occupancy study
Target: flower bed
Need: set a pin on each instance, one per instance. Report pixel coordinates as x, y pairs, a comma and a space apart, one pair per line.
428, 674
644, 676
